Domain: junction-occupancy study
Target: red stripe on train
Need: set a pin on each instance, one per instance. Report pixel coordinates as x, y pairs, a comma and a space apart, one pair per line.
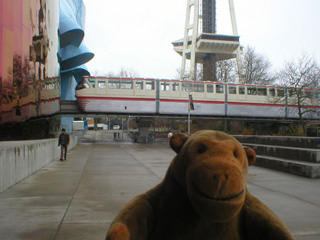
177, 101
116, 98
195, 101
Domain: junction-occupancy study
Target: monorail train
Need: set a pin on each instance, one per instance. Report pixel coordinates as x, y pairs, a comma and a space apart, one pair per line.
34, 99
171, 97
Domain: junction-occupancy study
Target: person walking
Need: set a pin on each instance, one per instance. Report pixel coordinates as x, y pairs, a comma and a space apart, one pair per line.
169, 136
64, 140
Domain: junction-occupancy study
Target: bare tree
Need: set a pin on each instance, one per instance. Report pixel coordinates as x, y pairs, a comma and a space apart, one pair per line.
187, 75
301, 78
123, 73
128, 73
257, 68
226, 71
182, 75
111, 74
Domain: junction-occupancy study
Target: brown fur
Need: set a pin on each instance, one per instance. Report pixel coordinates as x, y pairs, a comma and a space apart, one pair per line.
203, 196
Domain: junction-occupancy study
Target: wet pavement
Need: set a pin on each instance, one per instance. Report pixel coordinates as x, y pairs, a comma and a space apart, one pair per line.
78, 198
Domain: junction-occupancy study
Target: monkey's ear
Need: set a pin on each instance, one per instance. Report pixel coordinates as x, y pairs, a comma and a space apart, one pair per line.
177, 141
251, 155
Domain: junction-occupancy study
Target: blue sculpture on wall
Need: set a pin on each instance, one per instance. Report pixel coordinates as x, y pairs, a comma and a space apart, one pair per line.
73, 53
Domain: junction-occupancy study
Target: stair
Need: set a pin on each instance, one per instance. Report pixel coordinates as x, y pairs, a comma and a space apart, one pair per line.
300, 156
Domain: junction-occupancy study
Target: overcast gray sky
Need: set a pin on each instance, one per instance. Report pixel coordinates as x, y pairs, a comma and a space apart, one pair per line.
137, 34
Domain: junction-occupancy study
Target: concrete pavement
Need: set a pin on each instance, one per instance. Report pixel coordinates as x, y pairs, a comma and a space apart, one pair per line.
78, 199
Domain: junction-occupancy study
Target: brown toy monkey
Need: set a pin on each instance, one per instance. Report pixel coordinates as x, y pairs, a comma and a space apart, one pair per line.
203, 196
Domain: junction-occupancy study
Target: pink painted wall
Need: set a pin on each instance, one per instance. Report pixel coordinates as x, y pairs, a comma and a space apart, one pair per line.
29, 45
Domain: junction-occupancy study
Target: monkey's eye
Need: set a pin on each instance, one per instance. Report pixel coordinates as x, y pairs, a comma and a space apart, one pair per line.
202, 149
235, 154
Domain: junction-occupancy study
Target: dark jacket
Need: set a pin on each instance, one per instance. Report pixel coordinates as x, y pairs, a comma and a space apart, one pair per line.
64, 139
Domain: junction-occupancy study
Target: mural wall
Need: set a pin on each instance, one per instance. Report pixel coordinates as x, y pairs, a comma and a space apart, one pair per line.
29, 65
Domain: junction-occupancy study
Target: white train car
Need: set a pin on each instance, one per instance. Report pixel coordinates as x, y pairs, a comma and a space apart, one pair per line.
113, 95
170, 97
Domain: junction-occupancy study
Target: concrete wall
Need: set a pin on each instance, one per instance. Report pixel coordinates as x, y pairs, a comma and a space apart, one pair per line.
299, 142
19, 159
296, 155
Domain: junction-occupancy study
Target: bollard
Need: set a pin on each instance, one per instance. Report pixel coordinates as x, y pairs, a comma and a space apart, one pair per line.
114, 136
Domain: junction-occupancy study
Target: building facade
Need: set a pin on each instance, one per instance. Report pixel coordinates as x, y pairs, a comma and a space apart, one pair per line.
35, 55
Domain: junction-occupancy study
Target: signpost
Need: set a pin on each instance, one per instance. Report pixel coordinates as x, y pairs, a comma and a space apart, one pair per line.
190, 108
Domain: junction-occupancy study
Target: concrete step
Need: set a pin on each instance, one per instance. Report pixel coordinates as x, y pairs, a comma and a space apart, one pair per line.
299, 142
291, 153
305, 169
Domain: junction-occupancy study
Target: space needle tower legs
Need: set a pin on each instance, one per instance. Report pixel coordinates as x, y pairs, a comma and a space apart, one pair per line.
235, 33
202, 45
190, 27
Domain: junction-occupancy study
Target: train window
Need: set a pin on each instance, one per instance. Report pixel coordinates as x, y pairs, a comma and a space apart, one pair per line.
57, 83
53, 84
252, 91
150, 85
86, 85
314, 94
113, 84
291, 92
219, 89
309, 94
210, 88
262, 91
126, 84
175, 86
242, 90
301, 92
232, 90
272, 92
139, 85
92, 82
198, 87
186, 87
280, 92
101, 83
165, 86
82, 85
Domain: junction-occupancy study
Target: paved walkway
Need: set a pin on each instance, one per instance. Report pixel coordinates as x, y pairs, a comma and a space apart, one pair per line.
78, 199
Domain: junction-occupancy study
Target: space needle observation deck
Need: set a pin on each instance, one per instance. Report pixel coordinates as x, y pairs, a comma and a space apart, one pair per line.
202, 45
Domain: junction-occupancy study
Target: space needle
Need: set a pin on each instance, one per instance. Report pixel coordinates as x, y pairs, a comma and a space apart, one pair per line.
201, 43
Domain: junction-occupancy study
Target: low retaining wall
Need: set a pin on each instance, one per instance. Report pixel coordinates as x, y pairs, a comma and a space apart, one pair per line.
296, 155
299, 142
20, 159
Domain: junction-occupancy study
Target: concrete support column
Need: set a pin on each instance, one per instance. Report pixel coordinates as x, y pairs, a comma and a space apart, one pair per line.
209, 68
235, 33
